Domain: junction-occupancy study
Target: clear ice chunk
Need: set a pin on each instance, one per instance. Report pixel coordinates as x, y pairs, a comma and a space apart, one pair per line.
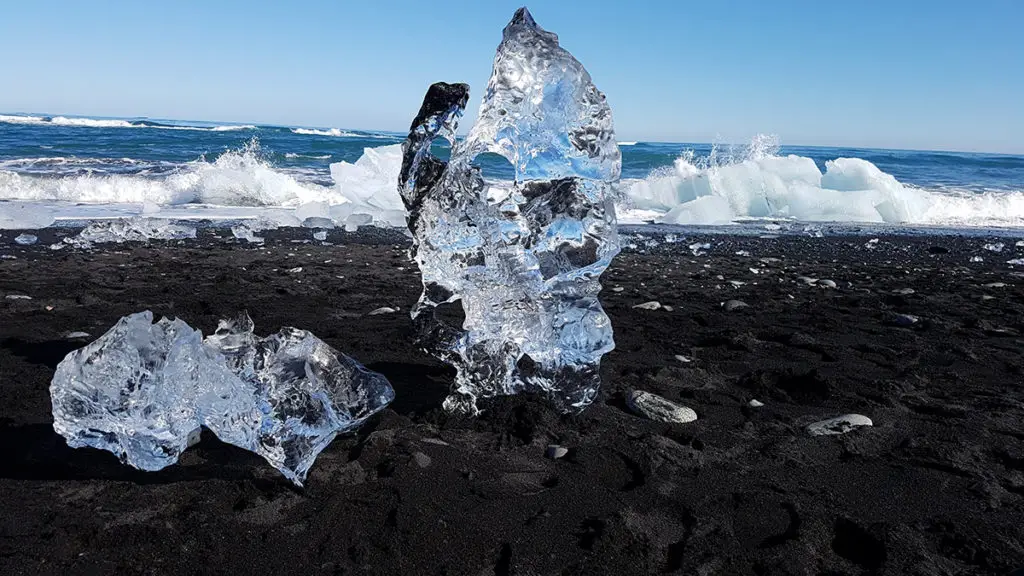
142, 391
306, 391
523, 258
130, 230
26, 239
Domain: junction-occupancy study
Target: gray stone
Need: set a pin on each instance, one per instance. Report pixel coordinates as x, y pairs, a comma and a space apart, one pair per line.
656, 408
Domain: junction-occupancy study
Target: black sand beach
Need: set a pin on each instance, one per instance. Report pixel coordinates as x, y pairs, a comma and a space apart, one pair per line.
935, 487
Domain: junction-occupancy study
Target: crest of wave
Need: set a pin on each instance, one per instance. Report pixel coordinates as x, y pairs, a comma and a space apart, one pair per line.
756, 181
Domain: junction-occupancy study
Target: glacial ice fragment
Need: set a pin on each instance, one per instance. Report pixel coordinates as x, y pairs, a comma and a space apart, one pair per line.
130, 230
142, 391
26, 239
523, 258
306, 391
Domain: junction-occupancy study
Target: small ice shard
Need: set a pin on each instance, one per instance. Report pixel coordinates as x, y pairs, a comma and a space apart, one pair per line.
143, 389
995, 247
656, 408
699, 249
318, 222
652, 305
904, 320
827, 283
522, 257
683, 359
18, 297
320, 235
904, 291
296, 270
302, 392
1019, 244
26, 239
994, 285
977, 259
807, 280
838, 425
130, 230
1016, 262
382, 310
754, 403
76, 335
247, 230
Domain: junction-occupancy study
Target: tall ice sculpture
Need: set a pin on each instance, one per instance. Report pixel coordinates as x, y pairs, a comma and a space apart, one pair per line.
523, 257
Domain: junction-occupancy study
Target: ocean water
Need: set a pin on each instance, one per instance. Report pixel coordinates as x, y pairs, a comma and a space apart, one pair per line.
65, 168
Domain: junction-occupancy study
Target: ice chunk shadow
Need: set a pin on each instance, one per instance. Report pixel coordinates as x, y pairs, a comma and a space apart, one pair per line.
419, 388
48, 353
37, 452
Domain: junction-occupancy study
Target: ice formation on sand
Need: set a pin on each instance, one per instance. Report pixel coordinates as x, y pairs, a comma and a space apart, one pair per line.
524, 259
130, 230
143, 389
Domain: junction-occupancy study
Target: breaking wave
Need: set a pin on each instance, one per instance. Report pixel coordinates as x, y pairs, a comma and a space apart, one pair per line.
330, 132
755, 182
758, 182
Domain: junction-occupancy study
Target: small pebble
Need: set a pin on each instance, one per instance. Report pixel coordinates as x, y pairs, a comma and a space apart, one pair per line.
755, 403
905, 320
656, 408
652, 305
421, 459
838, 425
683, 359
618, 289
555, 451
732, 305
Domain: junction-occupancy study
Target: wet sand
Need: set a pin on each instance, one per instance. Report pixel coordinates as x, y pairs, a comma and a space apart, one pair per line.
936, 486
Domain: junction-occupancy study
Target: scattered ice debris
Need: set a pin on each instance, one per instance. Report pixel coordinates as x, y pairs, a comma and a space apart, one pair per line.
683, 359
671, 238
699, 249
827, 283
807, 280
838, 425
733, 305
130, 230
742, 253
26, 239
8, 257
58, 246
736, 283
76, 335
755, 270
1016, 262
654, 407
18, 297
813, 231
994, 285
871, 244
382, 310
555, 452
995, 247
977, 259
532, 317
142, 390
296, 270
754, 403
904, 291
772, 227
652, 305
320, 235
1019, 244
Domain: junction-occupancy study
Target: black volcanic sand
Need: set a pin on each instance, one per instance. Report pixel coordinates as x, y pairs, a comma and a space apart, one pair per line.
935, 487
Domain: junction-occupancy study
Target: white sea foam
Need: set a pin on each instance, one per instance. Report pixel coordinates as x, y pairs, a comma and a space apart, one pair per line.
759, 183
315, 132
627, 143
312, 157
111, 123
754, 183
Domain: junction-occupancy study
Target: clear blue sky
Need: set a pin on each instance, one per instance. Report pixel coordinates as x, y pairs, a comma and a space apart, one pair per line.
899, 73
